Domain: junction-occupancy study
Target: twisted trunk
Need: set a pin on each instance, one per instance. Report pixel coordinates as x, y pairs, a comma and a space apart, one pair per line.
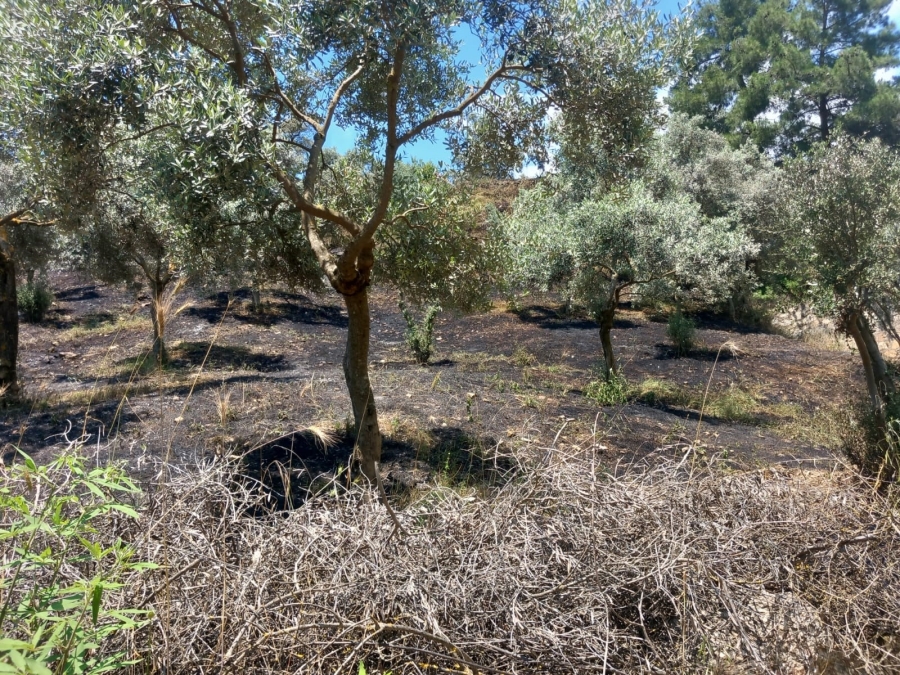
356, 374
606, 318
9, 321
879, 383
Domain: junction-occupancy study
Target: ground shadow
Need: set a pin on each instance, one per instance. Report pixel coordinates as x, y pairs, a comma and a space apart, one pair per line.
77, 294
292, 468
289, 307
188, 354
289, 469
553, 319
63, 320
666, 352
42, 431
556, 319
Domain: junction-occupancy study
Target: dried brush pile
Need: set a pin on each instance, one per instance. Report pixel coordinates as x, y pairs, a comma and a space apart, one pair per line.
562, 570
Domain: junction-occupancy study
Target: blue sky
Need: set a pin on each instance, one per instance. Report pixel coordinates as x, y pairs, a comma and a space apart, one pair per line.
343, 139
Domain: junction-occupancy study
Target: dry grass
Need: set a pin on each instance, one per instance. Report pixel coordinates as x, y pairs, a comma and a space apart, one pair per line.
563, 569
124, 322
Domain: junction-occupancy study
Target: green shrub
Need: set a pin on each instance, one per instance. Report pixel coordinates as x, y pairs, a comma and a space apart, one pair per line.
682, 331
60, 566
420, 335
34, 301
611, 391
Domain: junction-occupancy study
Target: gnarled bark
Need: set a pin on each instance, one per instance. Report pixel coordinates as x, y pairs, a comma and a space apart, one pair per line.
879, 383
606, 317
356, 374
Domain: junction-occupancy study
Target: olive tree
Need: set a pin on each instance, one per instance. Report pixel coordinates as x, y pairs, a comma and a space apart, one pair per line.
599, 247
267, 75
725, 182
72, 72
840, 223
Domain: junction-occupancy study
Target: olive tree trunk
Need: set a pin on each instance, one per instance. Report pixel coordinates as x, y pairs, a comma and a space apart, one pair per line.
356, 374
9, 323
606, 317
879, 383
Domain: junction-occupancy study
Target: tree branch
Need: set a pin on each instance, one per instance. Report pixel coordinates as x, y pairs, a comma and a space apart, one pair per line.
338, 95
179, 29
461, 108
295, 111
315, 210
20, 217
390, 154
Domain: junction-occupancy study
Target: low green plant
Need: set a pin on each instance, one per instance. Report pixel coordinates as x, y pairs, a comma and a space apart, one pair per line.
59, 567
610, 391
420, 334
34, 300
682, 331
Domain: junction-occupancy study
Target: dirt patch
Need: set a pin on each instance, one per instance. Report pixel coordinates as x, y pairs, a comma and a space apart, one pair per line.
240, 378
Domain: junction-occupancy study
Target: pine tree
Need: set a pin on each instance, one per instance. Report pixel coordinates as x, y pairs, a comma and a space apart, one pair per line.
788, 73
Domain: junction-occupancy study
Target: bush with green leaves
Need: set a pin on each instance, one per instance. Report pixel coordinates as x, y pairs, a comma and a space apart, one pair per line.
34, 301
420, 334
839, 228
682, 331
61, 567
612, 390
596, 250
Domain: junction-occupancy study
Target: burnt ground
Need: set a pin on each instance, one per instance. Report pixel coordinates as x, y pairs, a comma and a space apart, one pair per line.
497, 380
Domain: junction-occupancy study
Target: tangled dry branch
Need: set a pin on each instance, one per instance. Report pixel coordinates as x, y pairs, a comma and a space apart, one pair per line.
565, 569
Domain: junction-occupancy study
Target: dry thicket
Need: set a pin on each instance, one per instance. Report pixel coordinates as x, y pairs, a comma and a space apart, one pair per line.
563, 569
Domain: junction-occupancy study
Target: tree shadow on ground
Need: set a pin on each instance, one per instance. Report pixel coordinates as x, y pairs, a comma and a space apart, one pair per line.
288, 307
42, 430
188, 354
556, 319
292, 468
666, 352
77, 294
553, 319
62, 319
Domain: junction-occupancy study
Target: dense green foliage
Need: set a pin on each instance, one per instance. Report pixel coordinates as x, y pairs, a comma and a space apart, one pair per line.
34, 300
840, 211
682, 331
678, 232
419, 335
785, 74
54, 615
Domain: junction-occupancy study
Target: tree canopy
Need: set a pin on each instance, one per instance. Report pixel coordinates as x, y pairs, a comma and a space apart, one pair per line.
840, 211
787, 73
255, 78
